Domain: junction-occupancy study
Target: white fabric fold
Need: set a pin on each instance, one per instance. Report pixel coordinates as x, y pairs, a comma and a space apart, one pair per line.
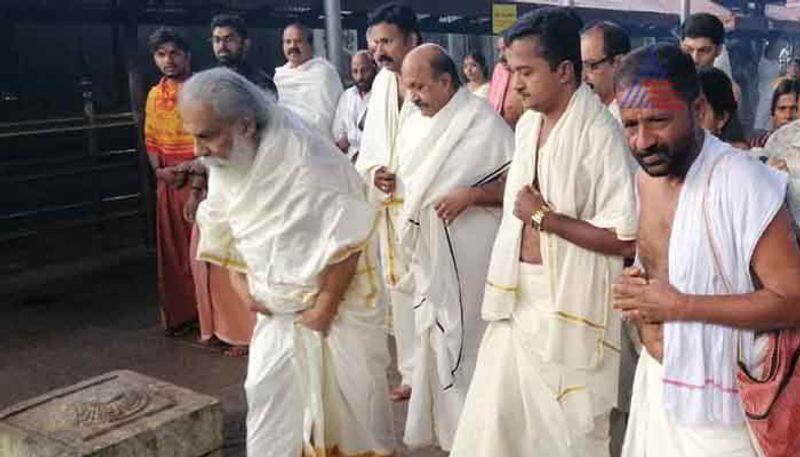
311, 91
727, 201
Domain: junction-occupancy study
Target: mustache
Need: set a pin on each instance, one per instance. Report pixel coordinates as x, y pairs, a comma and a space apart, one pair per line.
385, 59
646, 157
293, 51
214, 162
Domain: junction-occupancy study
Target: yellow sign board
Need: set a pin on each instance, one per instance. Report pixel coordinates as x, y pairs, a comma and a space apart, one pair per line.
503, 17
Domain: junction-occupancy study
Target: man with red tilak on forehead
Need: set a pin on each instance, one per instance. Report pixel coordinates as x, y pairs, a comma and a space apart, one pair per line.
712, 223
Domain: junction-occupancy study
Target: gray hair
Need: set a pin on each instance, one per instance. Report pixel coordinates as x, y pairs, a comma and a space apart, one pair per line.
230, 95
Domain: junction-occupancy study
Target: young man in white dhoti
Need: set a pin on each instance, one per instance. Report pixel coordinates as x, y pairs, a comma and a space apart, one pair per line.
712, 223
288, 213
348, 123
394, 31
307, 85
546, 376
451, 145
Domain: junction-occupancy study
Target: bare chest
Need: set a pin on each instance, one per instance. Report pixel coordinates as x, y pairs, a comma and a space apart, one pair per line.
656, 216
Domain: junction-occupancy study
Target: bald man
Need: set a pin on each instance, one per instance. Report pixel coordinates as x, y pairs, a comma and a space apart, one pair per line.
308, 86
448, 147
348, 124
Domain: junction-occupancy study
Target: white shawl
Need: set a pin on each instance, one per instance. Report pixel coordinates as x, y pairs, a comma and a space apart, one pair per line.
298, 209
731, 198
583, 175
311, 91
465, 143
378, 149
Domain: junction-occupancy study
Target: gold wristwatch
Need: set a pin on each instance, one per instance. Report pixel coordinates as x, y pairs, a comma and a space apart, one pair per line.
538, 216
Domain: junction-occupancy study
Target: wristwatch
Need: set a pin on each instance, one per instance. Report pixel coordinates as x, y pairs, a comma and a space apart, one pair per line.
538, 216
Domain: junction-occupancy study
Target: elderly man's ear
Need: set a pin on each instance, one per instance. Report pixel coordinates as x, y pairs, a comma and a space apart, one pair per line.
248, 128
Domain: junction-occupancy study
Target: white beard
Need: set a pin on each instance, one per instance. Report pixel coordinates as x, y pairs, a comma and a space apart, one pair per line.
238, 162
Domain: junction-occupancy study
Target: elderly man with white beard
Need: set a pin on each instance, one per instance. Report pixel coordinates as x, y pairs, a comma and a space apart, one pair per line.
447, 149
287, 214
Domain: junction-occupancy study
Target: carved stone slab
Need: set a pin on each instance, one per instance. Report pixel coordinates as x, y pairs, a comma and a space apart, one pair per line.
118, 414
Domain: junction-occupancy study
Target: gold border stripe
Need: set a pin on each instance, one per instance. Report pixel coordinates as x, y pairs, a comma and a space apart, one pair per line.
579, 320
499, 287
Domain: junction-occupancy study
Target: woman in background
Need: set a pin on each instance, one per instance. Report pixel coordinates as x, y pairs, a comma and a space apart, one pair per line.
719, 116
474, 67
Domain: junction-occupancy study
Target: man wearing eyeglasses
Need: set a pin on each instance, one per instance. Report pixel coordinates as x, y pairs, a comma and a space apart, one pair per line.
603, 45
231, 43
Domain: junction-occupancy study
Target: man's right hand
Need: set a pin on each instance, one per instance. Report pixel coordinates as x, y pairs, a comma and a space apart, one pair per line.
651, 335
385, 180
171, 176
239, 285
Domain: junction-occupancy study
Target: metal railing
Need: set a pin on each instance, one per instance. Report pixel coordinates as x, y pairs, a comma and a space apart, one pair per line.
58, 202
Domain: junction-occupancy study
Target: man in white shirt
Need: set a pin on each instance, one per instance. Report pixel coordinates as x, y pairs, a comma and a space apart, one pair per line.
351, 112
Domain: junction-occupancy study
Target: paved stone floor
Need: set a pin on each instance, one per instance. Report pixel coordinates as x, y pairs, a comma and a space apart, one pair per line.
55, 335
71, 329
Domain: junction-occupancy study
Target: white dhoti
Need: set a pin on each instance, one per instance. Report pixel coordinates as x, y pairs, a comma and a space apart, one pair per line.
405, 339
340, 377
652, 433
433, 413
519, 405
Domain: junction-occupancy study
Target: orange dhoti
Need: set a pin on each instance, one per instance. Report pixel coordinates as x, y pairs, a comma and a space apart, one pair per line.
175, 283
221, 312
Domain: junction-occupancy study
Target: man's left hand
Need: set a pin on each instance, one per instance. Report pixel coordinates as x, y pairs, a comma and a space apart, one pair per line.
648, 301
449, 207
528, 201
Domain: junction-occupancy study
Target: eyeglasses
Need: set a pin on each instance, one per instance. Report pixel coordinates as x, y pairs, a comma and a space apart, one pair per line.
593, 65
226, 39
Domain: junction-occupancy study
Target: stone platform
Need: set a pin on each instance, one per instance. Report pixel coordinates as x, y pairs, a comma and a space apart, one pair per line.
117, 414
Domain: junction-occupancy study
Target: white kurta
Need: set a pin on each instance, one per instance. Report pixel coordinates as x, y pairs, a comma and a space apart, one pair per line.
349, 119
299, 208
384, 119
311, 91
691, 406
464, 144
573, 333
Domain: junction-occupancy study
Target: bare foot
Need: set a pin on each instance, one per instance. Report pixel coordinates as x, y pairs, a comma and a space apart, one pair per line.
236, 351
213, 341
400, 393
